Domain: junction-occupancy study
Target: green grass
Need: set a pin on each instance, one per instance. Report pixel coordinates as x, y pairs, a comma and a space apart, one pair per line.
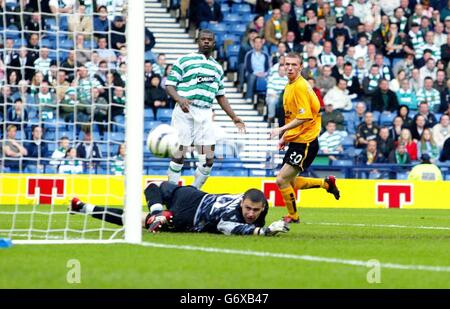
132, 266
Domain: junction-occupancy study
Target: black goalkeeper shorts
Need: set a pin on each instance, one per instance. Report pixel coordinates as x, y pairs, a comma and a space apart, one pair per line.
183, 203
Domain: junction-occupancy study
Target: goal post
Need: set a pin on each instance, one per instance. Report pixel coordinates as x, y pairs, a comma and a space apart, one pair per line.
35, 196
134, 121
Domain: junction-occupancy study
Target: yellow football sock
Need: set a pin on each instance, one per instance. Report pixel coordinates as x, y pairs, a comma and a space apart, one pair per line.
289, 200
303, 183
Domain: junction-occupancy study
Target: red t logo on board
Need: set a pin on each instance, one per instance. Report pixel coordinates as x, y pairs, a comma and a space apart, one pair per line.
48, 188
394, 195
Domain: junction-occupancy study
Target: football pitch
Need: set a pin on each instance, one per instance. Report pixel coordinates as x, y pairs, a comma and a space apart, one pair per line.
331, 248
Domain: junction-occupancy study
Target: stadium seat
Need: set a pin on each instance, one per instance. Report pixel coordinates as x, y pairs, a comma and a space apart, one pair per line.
386, 119
402, 176
241, 8
45, 43
148, 114
66, 44
232, 63
376, 116
117, 136
164, 114
348, 141
231, 18
342, 163
347, 116
261, 85
238, 28
218, 28
204, 25
224, 8
149, 125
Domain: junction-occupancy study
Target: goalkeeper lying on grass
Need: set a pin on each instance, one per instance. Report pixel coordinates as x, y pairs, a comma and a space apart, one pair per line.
192, 210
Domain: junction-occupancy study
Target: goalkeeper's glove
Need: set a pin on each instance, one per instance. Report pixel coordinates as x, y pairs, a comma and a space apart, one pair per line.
274, 228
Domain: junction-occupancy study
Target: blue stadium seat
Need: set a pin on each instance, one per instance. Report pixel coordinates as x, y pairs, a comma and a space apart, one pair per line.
51, 147
117, 136
50, 24
247, 18
50, 136
218, 28
376, 116
402, 176
347, 116
232, 63
20, 42
148, 114
45, 43
261, 85
231, 18
224, 8
233, 50
149, 125
204, 25
241, 8
164, 114
50, 169
348, 141
238, 29
66, 44
12, 32
386, 119
342, 163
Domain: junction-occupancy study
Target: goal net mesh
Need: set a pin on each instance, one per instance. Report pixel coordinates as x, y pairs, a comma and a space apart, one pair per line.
63, 75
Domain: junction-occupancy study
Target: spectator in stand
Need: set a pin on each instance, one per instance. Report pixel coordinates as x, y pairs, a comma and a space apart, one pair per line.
13, 151
101, 22
281, 52
395, 83
405, 96
88, 148
149, 44
353, 85
399, 155
69, 66
330, 142
440, 83
429, 44
350, 20
37, 149
118, 102
428, 146
341, 29
341, 49
157, 97
311, 69
275, 86
70, 164
326, 57
417, 128
209, 11
60, 152
82, 53
429, 69
291, 43
430, 95
416, 81
99, 111
257, 65
411, 146
356, 117
385, 143
246, 46
338, 96
118, 37
441, 131
445, 154
80, 21
424, 110
325, 81
403, 112
22, 64
42, 64
159, 67
275, 29
396, 129
445, 50
61, 7
17, 115
46, 102
13, 82
384, 99
118, 163
370, 156
330, 114
366, 131
370, 82
105, 53
257, 25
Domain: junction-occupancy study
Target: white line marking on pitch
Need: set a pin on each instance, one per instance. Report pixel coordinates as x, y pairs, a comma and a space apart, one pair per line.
443, 228
297, 257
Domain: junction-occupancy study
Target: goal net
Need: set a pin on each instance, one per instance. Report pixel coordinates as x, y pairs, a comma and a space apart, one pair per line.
71, 119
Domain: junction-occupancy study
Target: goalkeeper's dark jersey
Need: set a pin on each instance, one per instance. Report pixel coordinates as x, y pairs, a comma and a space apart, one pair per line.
221, 214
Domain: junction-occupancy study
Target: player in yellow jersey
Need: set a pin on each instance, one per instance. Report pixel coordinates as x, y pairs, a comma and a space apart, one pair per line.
301, 131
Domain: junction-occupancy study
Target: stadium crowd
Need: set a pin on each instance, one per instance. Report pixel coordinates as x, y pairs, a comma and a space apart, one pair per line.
380, 67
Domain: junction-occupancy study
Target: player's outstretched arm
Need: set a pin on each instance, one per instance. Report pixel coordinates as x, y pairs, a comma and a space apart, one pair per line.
273, 229
223, 102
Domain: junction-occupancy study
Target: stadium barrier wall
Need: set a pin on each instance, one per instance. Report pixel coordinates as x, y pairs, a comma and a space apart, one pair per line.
21, 189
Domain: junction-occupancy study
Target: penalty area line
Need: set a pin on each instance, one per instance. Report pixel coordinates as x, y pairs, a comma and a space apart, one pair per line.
309, 258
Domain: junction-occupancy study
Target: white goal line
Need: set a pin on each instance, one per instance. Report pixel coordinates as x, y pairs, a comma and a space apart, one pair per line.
308, 258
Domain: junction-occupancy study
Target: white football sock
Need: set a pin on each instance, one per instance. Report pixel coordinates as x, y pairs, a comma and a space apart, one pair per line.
174, 172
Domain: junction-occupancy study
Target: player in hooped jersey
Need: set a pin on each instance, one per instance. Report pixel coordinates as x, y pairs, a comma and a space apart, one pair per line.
301, 131
192, 210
